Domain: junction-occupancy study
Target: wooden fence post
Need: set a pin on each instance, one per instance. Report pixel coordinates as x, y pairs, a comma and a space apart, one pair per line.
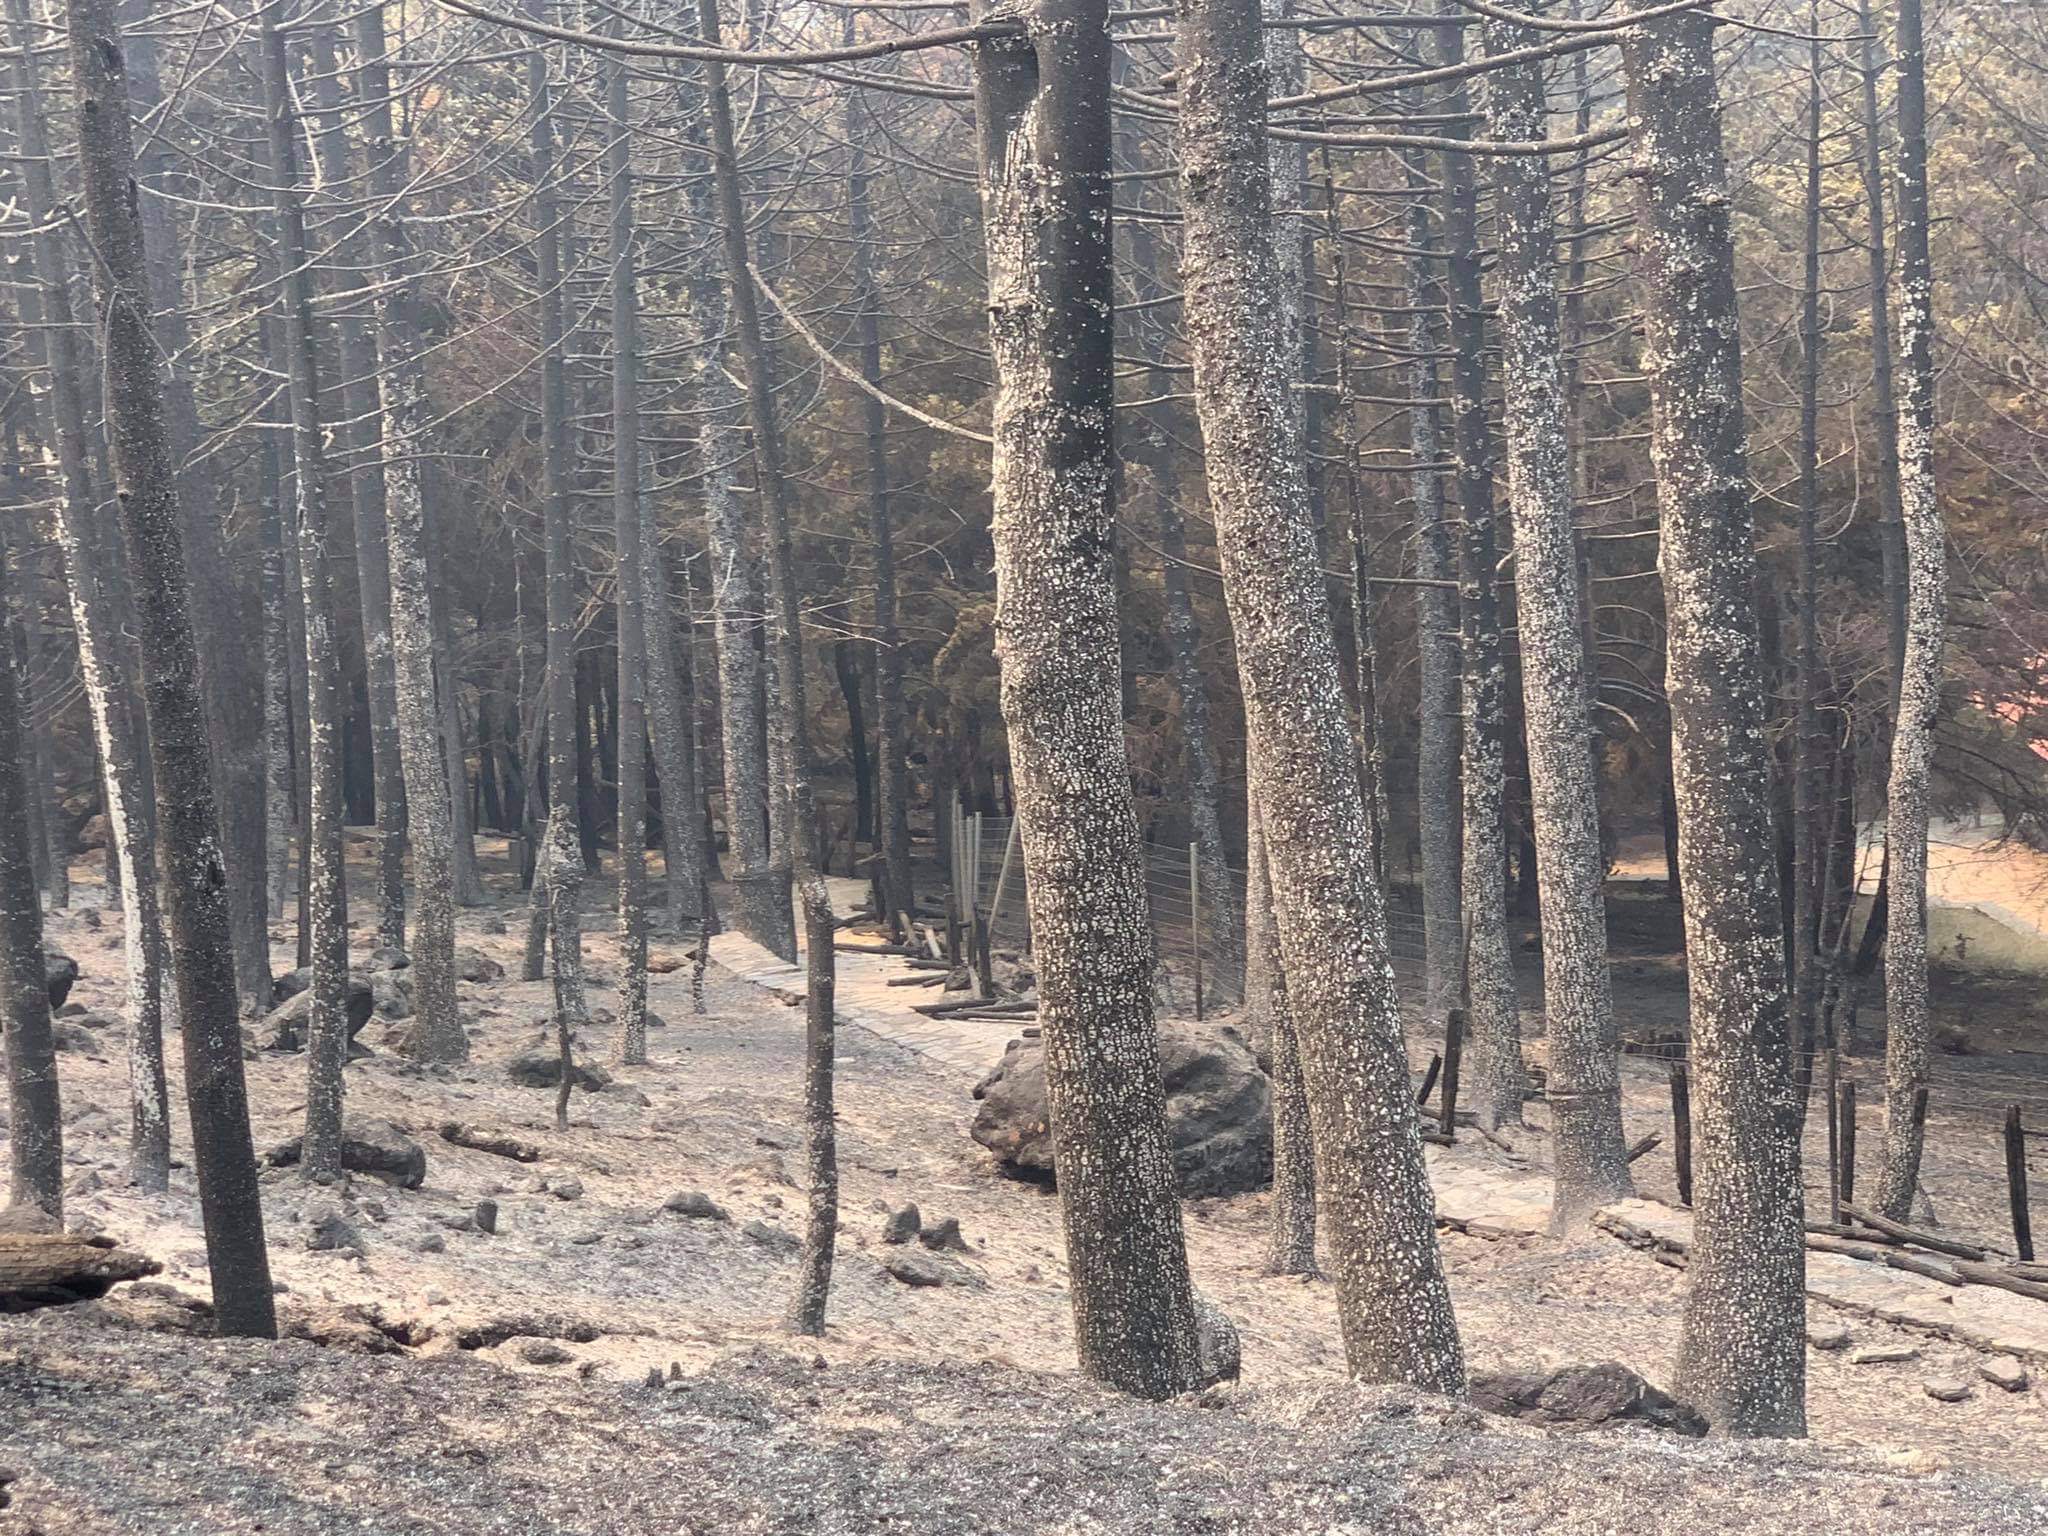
2016, 1183
1681, 1130
1454, 1046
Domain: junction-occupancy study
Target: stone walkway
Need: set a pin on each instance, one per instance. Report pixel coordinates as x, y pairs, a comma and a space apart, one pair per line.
1497, 1201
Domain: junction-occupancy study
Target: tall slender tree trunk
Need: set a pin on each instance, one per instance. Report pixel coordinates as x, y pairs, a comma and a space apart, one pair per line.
1291, 1247
1393, 1302
1042, 111
429, 787
1493, 1014
35, 1128
323, 846
116, 712
1908, 1025
892, 748
631, 571
821, 1219
1742, 1354
194, 881
1589, 1157
675, 745
223, 611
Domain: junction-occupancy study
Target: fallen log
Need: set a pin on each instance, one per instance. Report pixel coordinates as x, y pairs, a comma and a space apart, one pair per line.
1644, 1147
54, 1269
871, 949
1891, 1258
497, 1143
1919, 1239
922, 979
2000, 1276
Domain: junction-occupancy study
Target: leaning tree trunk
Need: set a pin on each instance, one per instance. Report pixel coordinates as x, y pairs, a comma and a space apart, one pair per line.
1908, 1026
821, 1158
1588, 1156
1742, 1355
1493, 1014
35, 1128
1393, 1303
194, 883
437, 1034
323, 846
116, 713
1042, 109
631, 574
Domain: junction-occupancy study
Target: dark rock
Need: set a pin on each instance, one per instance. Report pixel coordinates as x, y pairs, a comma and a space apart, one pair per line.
285, 1027
59, 972
486, 1216
544, 1352
66, 1035
914, 1269
772, 1238
1582, 1397
944, 1237
328, 1231
543, 1069
1218, 1110
474, 965
902, 1225
696, 1205
431, 1242
388, 958
90, 1019
566, 1188
388, 996
367, 1146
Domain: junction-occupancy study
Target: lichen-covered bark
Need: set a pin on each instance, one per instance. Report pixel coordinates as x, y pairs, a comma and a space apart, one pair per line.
1393, 1302
1742, 1354
1588, 1153
35, 1128
1042, 114
194, 879
326, 889
1908, 1024
437, 1034
1497, 1076
102, 659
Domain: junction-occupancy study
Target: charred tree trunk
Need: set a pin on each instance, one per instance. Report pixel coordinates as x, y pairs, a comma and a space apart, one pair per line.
1393, 1303
1742, 1355
1908, 1026
194, 883
1042, 112
1589, 1154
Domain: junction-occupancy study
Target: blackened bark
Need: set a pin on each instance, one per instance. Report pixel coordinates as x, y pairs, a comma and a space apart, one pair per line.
194, 881
1042, 112
35, 1129
1589, 1154
1393, 1302
1742, 1355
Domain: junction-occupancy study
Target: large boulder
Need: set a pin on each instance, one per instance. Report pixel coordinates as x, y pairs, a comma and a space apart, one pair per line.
1584, 1397
1219, 1117
473, 964
542, 1068
59, 972
367, 1146
286, 1026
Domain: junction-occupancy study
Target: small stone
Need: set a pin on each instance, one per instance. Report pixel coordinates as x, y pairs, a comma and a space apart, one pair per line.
696, 1205
1829, 1336
433, 1242
630, 1241
769, 1236
456, 1221
1884, 1354
913, 1269
902, 1225
944, 1237
544, 1352
486, 1217
2005, 1373
587, 1239
566, 1189
1945, 1389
